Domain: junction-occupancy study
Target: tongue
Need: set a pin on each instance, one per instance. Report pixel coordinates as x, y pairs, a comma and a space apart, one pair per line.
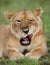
26, 38
30, 36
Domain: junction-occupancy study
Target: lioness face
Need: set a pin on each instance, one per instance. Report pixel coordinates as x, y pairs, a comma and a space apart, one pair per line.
25, 24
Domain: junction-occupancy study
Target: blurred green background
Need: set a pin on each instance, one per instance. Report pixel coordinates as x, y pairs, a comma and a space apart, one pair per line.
14, 5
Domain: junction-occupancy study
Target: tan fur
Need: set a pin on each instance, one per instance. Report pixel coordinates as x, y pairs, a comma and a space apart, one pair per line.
30, 20
4, 35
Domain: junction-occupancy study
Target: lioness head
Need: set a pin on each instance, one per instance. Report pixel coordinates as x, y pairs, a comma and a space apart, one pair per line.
25, 24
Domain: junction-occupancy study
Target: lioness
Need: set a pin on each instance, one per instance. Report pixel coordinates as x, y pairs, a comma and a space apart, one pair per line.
25, 36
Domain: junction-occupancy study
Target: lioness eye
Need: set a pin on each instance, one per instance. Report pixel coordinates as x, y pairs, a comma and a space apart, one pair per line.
18, 21
32, 20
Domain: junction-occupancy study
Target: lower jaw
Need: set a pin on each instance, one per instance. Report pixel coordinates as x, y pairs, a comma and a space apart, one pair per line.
25, 44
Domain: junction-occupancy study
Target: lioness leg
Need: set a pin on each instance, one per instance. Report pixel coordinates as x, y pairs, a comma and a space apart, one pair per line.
12, 53
37, 52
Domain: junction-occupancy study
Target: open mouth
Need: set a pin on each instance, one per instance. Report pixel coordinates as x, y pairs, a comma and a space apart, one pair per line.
26, 40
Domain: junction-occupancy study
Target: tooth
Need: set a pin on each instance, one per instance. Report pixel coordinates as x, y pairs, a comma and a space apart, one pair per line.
28, 41
25, 42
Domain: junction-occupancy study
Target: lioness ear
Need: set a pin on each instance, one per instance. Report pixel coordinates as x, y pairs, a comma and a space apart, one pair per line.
8, 14
38, 11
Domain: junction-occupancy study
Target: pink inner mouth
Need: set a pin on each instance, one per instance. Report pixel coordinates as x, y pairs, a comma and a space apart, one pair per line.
26, 38
30, 36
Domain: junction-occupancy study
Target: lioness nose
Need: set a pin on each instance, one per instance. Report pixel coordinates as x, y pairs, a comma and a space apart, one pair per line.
26, 31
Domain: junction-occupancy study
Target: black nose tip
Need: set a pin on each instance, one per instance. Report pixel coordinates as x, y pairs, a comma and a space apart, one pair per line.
26, 31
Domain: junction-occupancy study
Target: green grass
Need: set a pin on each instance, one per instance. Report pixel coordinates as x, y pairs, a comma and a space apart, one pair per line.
22, 61
26, 61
